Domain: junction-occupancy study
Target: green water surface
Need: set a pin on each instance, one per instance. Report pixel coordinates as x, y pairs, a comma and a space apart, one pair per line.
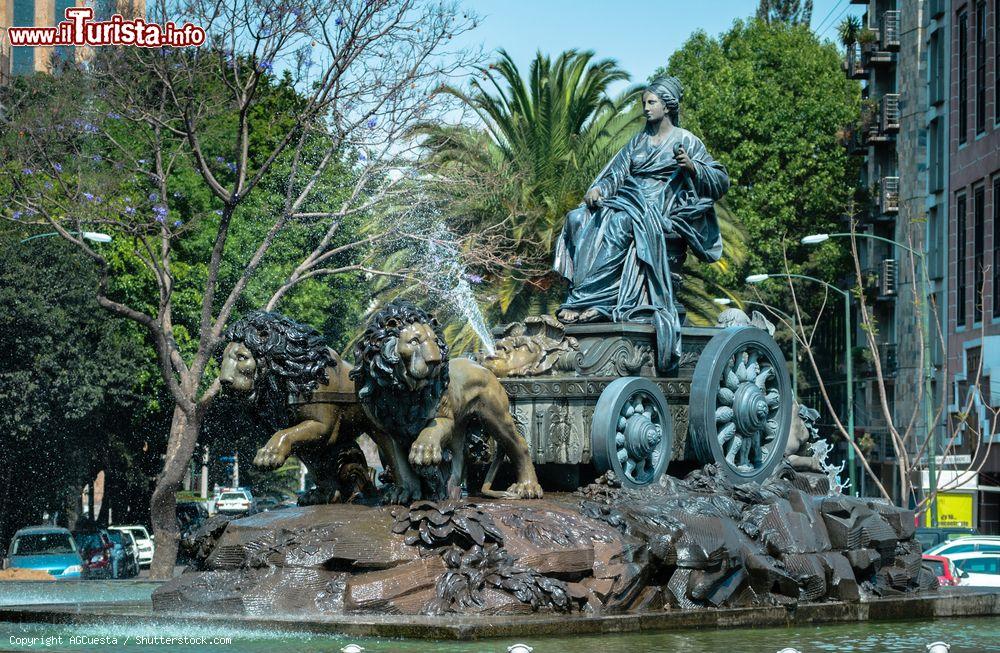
964, 635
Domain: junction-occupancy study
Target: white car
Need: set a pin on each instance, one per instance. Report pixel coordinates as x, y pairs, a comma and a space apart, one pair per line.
977, 568
972, 544
143, 541
236, 502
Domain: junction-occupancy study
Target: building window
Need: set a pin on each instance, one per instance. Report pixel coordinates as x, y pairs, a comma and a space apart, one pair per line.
963, 76
996, 63
960, 261
981, 66
978, 251
23, 58
996, 247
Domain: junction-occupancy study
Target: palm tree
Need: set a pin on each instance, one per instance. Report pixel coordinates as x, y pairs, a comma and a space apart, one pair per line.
546, 137
848, 30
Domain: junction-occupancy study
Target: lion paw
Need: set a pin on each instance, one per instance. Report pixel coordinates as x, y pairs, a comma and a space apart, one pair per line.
426, 451
400, 494
271, 456
525, 490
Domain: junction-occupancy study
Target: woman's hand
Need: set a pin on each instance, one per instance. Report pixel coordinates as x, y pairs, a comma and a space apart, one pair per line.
593, 198
683, 160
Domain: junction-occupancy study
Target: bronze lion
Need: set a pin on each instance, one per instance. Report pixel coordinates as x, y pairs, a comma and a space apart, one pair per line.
409, 389
301, 388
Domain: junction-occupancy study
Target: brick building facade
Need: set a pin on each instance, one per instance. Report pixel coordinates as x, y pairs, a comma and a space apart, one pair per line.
973, 315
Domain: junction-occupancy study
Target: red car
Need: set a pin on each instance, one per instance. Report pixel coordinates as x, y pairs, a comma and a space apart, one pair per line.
943, 568
97, 550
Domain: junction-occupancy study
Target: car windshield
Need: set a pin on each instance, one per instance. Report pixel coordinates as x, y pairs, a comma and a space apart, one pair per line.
936, 567
88, 540
43, 543
229, 496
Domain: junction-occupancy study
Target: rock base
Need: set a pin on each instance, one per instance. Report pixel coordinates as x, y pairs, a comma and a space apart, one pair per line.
700, 542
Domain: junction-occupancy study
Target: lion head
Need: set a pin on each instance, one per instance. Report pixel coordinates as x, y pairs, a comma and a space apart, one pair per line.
401, 367
270, 356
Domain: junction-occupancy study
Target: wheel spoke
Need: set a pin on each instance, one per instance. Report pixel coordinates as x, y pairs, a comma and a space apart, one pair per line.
761, 380
726, 396
724, 414
732, 381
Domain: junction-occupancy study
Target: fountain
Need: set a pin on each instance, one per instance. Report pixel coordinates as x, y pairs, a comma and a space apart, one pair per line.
445, 275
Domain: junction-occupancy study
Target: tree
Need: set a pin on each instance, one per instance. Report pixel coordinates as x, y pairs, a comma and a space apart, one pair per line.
768, 99
792, 12
67, 381
365, 74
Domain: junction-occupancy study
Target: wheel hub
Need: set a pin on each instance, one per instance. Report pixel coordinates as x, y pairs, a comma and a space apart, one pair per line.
642, 436
750, 407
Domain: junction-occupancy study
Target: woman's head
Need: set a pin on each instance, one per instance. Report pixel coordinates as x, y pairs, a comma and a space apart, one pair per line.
663, 96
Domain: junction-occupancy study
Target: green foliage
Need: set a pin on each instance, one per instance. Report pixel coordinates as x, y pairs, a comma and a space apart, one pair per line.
66, 377
767, 99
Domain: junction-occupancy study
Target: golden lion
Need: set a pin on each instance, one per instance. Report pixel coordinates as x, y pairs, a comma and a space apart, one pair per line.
301, 388
409, 389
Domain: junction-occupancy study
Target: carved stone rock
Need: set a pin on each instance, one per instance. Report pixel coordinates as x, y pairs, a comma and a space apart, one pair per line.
695, 543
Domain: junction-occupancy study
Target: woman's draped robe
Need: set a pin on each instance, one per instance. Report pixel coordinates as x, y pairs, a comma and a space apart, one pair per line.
618, 257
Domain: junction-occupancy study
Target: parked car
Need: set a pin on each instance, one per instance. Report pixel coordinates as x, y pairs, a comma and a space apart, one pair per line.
142, 540
46, 548
984, 543
978, 568
98, 553
130, 553
931, 537
236, 502
947, 574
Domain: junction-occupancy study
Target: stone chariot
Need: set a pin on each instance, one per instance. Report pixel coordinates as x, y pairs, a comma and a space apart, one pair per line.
602, 403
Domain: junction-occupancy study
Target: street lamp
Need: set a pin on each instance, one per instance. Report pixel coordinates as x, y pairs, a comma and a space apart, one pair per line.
94, 236
758, 278
725, 301
925, 328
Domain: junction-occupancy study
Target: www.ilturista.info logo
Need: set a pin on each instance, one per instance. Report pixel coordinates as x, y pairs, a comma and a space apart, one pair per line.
79, 29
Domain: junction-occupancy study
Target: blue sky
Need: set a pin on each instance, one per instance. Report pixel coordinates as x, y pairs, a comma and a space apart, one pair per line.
641, 36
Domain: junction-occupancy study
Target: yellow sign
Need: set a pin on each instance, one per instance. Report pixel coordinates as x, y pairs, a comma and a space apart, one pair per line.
954, 509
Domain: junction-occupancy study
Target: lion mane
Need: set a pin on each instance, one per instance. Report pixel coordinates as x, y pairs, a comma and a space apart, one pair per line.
380, 374
291, 359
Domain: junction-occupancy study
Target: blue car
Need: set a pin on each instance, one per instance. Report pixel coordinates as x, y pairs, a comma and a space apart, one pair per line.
46, 548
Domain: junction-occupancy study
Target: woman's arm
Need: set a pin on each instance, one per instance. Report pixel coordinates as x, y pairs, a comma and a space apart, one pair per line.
710, 179
617, 170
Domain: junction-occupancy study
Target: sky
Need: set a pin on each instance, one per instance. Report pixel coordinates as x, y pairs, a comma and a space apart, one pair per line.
640, 35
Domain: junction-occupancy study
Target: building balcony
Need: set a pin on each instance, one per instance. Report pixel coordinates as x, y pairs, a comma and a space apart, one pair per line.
888, 199
872, 51
890, 112
879, 282
889, 31
852, 64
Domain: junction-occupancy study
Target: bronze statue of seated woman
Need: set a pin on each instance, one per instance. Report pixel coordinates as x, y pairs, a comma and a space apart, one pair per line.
652, 203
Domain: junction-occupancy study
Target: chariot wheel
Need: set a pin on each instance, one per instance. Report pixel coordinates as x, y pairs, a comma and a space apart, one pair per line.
631, 433
741, 404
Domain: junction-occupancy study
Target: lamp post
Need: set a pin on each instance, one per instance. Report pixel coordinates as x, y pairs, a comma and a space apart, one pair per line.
758, 278
925, 328
725, 301
94, 236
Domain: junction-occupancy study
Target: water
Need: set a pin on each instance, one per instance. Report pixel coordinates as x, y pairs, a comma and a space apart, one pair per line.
69, 591
448, 279
964, 635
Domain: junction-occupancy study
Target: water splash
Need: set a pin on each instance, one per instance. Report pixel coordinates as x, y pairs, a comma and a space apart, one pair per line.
449, 280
